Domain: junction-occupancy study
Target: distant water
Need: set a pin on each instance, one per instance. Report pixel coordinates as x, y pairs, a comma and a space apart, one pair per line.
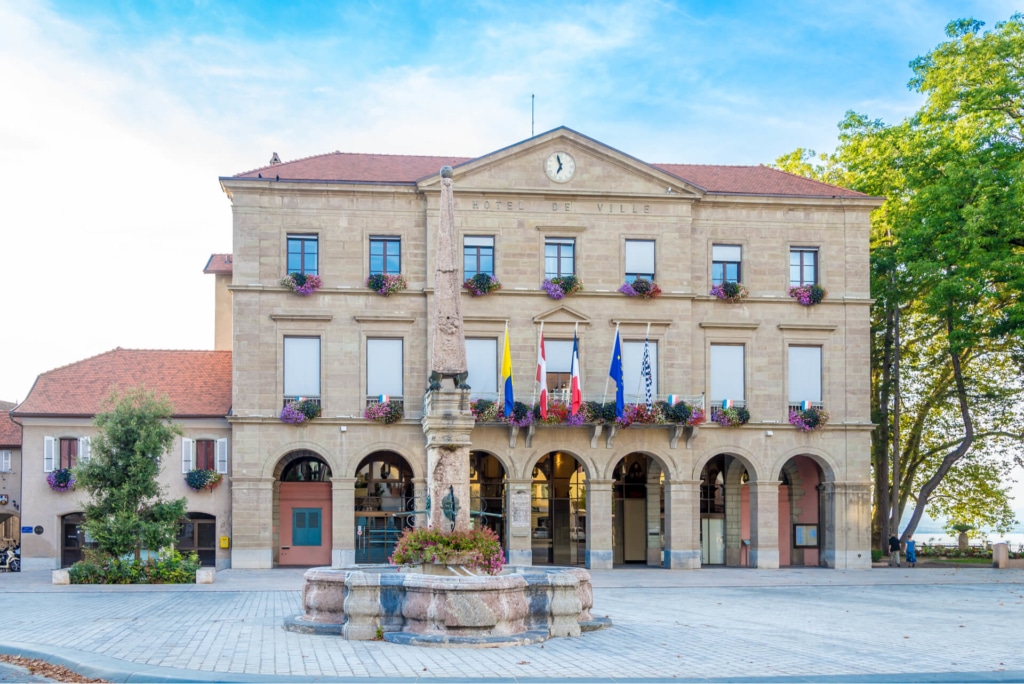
939, 537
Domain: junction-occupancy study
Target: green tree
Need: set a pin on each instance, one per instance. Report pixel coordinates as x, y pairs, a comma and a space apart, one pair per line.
126, 512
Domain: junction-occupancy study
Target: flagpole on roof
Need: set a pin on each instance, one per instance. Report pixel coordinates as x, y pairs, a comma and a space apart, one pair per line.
604, 400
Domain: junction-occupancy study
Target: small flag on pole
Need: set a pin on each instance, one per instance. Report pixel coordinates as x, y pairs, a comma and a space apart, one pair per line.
542, 376
727, 403
383, 398
673, 399
575, 394
645, 370
506, 375
805, 405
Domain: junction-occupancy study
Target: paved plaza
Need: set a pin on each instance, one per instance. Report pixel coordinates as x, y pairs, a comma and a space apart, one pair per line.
921, 624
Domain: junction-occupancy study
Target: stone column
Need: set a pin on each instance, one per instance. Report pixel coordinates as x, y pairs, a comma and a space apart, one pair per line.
733, 524
447, 423
845, 522
682, 524
252, 522
599, 524
419, 496
343, 505
518, 541
764, 524
654, 541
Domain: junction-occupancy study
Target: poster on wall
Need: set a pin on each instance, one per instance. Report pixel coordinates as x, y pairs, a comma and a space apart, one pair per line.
805, 536
520, 508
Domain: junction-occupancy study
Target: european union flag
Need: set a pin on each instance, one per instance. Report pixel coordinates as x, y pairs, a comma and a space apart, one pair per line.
616, 374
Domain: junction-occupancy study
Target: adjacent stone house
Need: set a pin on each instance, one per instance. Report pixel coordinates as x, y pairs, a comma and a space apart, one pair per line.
10, 478
339, 488
57, 423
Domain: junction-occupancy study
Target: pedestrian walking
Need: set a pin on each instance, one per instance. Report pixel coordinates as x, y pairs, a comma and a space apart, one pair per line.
911, 550
894, 551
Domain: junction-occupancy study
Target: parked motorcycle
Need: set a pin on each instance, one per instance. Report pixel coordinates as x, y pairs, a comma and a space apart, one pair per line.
10, 559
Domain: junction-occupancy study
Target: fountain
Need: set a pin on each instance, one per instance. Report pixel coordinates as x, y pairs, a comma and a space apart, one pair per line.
447, 604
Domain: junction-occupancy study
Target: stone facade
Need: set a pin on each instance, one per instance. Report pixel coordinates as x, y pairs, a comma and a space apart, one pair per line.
611, 199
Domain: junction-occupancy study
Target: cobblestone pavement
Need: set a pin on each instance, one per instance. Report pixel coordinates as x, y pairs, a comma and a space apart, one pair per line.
923, 624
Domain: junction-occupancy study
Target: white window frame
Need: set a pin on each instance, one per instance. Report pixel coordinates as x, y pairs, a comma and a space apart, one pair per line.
84, 449
727, 254
49, 450
478, 241
222, 455
188, 454
5, 461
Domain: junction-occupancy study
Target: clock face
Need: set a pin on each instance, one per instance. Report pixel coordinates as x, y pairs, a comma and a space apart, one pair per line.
560, 167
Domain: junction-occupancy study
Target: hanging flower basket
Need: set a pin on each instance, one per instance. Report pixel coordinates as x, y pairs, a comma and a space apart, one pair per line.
641, 288
808, 295
299, 411
386, 412
386, 284
198, 480
302, 284
484, 410
730, 292
808, 419
733, 416
558, 288
682, 413
522, 415
640, 414
560, 413
481, 284
61, 480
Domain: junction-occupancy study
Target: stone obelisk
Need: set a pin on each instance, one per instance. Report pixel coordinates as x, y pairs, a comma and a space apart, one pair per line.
447, 420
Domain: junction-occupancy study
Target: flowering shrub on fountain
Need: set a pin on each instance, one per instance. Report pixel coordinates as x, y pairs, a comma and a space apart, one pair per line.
478, 549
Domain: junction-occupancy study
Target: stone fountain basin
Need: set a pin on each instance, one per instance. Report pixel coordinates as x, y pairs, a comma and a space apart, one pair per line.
437, 607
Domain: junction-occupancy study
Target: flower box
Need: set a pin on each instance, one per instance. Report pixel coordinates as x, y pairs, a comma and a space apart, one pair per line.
808, 295
808, 419
299, 411
641, 288
198, 480
729, 292
386, 284
302, 284
61, 480
385, 412
481, 284
560, 287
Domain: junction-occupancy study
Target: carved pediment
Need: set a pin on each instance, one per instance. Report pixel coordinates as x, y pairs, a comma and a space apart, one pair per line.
562, 315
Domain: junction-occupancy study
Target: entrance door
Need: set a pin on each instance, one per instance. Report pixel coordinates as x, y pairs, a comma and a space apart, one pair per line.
307, 526
72, 539
712, 541
305, 531
559, 511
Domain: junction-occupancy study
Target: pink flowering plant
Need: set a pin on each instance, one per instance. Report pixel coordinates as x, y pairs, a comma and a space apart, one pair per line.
61, 480
813, 418
299, 411
386, 284
302, 284
478, 549
640, 414
559, 287
481, 284
730, 292
386, 412
641, 288
808, 295
484, 410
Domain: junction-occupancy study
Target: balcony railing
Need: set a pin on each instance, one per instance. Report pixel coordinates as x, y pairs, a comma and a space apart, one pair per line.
374, 399
716, 407
306, 397
562, 396
799, 405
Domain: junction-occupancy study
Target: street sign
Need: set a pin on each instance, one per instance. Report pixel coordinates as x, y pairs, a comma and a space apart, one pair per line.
26, 529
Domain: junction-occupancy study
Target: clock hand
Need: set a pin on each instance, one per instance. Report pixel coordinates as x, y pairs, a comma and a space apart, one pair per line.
558, 157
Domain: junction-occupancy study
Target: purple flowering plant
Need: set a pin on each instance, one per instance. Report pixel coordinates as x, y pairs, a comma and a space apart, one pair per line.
386, 412
522, 415
641, 288
479, 549
386, 284
481, 284
641, 414
808, 295
733, 416
302, 284
299, 411
61, 480
813, 418
730, 292
561, 286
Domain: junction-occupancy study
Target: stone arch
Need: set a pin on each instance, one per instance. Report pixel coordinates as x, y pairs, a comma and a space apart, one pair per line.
665, 464
274, 466
824, 460
744, 456
507, 464
806, 505
417, 464
589, 467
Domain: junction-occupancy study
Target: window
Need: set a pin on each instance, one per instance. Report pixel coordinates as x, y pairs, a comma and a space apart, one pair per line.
206, 454
639, 260
725, 264
384, 366
558, 357
803, 266
727, 373
5, 461
559, 257
68, 453
804, 375
482, 363
303, 254
633, 384
477, 256
385, 255
301, 368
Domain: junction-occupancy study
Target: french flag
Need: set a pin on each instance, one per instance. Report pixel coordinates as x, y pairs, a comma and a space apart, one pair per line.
542, 377
575, 394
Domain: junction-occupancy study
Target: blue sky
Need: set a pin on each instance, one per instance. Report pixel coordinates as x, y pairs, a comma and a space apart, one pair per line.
118, 118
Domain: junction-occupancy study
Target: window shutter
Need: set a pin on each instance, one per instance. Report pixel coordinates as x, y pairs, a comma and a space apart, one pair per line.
48, 454
84, 449
222, 456
188, 450
5, 461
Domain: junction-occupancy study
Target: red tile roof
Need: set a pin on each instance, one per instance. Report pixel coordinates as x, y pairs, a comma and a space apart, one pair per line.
218, 263
197, 383
10, 432
388, 168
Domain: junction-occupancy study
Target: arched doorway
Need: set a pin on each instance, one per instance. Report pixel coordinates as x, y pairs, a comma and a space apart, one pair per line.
304, 510
487, 482
10, 530
384, 497
724, 512
801, 537
198, 532
638, 510
559, 511
73, 540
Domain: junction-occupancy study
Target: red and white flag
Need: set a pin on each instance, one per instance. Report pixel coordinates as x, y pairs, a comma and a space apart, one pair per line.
542, 377
575, 393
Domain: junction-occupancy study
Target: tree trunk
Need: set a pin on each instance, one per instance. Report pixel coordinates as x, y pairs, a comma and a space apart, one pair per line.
882, 503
